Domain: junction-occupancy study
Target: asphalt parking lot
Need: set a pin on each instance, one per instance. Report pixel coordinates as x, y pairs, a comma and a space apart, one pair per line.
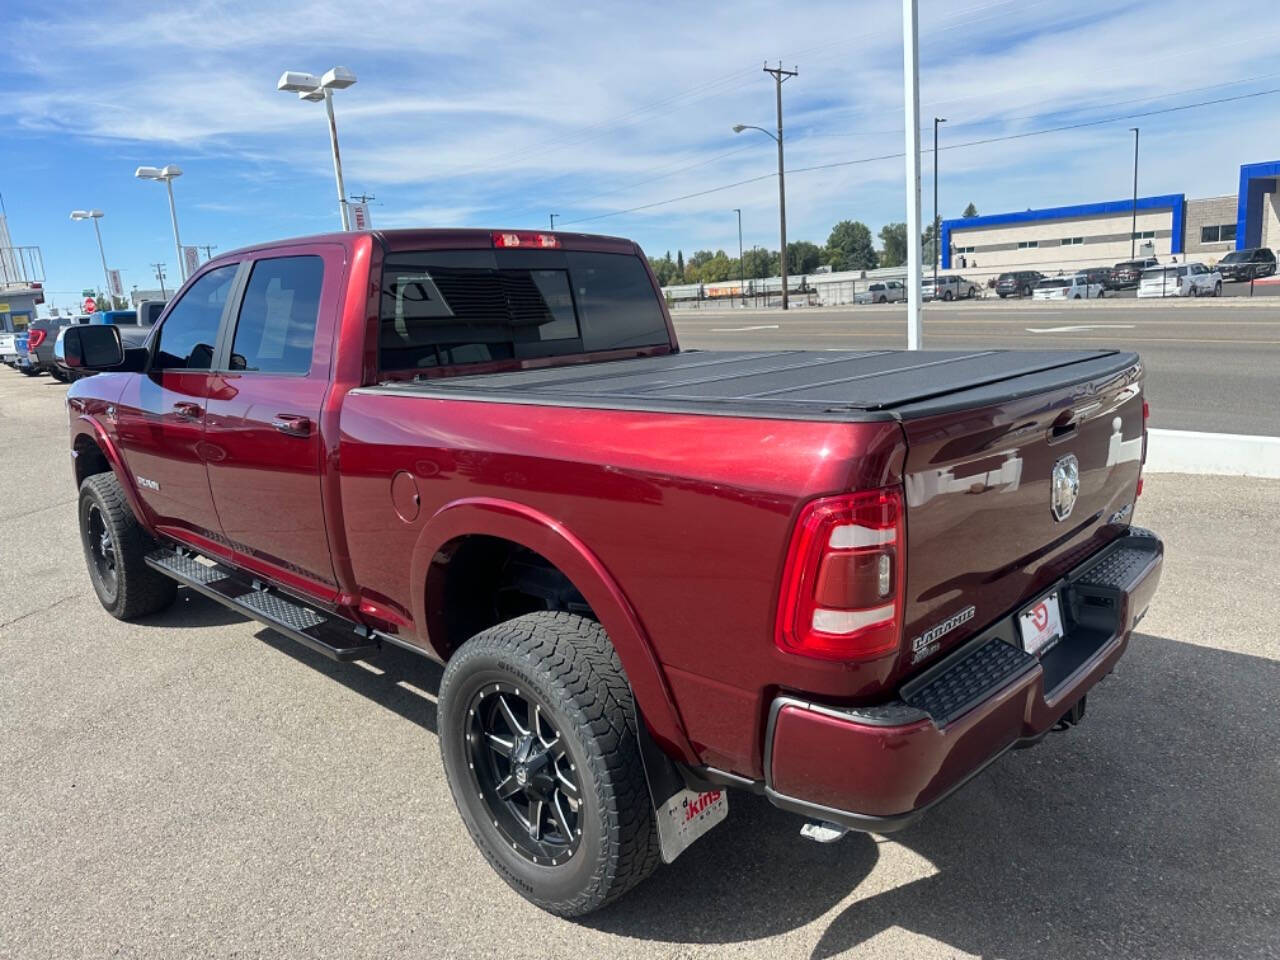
1211, 365
197, 786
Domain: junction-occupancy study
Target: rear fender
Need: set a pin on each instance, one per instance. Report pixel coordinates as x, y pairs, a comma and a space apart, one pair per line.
87, 426
534, 530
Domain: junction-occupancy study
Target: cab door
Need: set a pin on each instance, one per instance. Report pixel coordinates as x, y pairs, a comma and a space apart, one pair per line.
160, 415
262, 437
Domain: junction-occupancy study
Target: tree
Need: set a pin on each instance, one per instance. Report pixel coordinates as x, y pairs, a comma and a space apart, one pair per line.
970, 211
664, 269
758, 263
680, 265
802, 257
849, 247
893, 238
929, 249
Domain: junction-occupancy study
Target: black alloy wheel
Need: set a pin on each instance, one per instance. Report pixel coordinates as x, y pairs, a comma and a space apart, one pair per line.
520, 766
102, 550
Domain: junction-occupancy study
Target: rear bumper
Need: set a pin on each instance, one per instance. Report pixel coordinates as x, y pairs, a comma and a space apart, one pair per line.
880, 768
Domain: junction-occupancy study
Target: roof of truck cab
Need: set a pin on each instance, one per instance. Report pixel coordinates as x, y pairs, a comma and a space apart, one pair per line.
443, 238
787, 384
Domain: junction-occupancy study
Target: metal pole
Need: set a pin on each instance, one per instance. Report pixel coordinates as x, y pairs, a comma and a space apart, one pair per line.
106, 274
936, 249
177, 244
742, 267
911, 110
553, 221
779, 77
337, 160
1133, 233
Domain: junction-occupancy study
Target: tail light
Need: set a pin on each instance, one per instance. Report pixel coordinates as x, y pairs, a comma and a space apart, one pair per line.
535, 241
35, 338
842, 586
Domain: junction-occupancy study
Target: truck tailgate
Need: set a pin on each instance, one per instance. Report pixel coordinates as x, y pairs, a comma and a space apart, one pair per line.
982, 534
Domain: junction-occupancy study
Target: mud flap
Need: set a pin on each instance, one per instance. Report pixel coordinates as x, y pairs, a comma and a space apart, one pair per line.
683, 815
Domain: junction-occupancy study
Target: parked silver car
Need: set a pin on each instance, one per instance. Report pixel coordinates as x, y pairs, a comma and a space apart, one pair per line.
882, 291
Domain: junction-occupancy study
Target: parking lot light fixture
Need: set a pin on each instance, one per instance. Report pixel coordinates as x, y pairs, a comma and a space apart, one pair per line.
310, 87
166, 175
95, 216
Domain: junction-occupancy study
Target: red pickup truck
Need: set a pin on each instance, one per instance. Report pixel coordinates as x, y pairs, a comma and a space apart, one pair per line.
846, 580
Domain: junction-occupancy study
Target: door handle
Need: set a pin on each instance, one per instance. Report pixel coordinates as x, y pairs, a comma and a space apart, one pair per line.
187, 411
292, 425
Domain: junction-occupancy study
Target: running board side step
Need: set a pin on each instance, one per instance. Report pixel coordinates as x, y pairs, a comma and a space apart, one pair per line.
335, 637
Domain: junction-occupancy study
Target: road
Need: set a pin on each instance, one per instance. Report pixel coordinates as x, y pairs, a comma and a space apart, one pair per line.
1212, 365
194, 785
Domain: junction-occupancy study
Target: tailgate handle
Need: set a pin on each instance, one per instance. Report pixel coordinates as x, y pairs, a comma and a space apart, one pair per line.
1061, 431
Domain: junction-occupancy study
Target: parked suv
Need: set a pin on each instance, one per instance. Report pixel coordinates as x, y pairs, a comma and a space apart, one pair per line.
1106, 276
1019, 282
948, 288
1127, 273
1247, 264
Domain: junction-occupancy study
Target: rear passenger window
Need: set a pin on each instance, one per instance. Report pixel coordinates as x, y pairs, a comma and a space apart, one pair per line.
277, 324
188, 335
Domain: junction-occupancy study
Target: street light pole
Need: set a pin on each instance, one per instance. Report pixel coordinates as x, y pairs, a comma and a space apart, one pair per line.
936, 249
742, 267
337, 160
309, 87
911, 108
1133, 232
95, 216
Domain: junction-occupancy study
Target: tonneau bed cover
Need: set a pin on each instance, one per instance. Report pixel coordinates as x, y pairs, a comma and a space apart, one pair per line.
791, 384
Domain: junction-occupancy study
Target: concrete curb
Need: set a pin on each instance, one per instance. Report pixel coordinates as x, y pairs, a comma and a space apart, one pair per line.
1225, 454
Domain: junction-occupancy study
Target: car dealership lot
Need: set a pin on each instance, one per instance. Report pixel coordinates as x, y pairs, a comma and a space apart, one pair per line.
1211, 364
196, 785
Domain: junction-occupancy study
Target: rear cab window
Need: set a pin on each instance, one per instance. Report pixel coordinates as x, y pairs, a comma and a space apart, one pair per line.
455, 308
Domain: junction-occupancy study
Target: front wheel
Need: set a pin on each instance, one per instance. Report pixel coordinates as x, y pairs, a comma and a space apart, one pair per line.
1217, 289
115, 547
539, 739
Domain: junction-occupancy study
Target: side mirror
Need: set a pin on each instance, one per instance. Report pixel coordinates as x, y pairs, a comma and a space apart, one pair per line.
93, 347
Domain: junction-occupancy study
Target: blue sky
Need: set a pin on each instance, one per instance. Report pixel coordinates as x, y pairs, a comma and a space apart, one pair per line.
497, 114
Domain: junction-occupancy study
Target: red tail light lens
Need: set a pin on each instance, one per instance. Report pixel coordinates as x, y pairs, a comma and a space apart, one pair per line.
533, 241
35, 338
842, 586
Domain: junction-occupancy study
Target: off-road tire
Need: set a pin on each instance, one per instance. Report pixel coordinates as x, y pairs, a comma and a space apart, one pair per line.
138, 589
566, 662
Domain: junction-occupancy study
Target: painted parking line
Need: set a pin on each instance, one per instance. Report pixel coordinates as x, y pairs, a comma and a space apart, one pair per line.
1081, 327
762, 326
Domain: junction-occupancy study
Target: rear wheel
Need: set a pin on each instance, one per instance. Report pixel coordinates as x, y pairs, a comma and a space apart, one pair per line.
1217, 289
30, 371
947, 296
115, 546
538, 736
58, 375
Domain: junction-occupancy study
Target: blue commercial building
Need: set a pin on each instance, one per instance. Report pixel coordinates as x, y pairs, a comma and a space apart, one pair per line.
1167, 226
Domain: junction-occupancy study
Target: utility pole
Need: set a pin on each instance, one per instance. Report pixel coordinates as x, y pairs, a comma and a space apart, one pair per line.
937, 224
1133, 232
742, 267
363, 197
780, 76
553, 220
208, 249
911, 108
159, 268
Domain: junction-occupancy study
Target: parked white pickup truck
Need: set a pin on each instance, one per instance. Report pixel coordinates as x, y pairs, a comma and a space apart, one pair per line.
882, 291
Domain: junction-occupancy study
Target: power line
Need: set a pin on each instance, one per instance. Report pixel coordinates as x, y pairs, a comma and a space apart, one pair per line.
954, 146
